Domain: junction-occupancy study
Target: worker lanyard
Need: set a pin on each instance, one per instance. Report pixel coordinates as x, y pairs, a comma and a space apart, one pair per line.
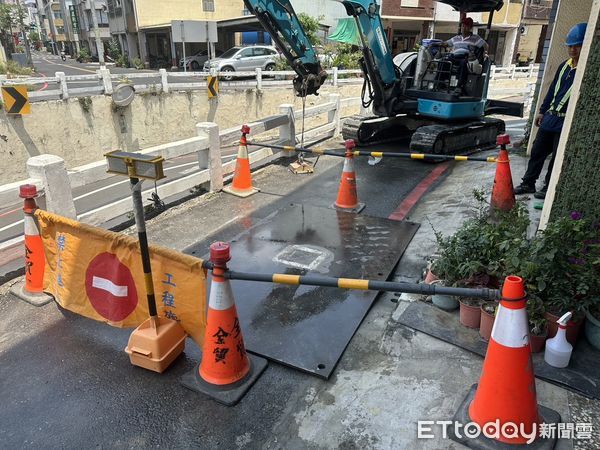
567, 95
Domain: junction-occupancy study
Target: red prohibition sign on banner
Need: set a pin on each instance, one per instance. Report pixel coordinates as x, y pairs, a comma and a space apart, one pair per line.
110, 287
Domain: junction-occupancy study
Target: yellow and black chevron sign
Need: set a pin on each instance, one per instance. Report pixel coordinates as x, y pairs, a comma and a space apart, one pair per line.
15, 99
213, 86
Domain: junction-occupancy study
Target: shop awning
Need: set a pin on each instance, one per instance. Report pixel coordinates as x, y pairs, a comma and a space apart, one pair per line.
346, 32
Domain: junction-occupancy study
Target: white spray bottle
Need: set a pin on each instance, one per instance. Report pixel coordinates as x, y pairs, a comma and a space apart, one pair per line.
558, 350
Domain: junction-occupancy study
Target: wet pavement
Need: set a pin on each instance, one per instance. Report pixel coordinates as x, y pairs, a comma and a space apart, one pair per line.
65, 381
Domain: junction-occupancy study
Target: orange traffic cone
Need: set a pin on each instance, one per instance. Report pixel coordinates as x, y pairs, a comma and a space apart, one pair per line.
347, 198
504, 405
242, 178
226, 371
503, 194
35, 261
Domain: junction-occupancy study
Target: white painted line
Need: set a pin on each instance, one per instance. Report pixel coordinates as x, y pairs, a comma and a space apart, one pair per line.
7, 227
109, 286
103, 188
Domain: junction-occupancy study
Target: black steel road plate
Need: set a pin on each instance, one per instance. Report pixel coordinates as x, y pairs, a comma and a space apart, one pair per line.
309, 327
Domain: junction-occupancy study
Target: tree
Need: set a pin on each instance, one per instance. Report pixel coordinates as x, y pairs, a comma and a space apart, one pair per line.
11, 19
311, 27
34, 37
7, 22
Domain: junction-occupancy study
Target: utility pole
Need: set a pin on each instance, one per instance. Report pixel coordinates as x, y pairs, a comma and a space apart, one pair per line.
99, 44
25, 38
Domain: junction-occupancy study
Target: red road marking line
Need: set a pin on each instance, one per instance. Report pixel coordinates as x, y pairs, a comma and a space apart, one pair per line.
415, 195
10, 212
45, 85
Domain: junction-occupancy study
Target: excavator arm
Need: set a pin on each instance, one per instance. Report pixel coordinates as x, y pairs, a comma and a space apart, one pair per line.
381, 75
280, 20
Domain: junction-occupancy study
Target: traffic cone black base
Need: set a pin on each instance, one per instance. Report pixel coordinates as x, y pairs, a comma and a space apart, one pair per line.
547, 415
358, 208
229, 394
33, 298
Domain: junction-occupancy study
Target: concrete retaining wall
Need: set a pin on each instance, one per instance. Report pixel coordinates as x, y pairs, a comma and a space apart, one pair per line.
81, 130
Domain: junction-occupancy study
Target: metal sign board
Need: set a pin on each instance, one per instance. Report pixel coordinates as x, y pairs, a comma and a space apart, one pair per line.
194, 31
213, 86
15, 99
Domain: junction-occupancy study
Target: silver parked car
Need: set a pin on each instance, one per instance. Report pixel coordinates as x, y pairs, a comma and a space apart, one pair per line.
244, 59
196, 61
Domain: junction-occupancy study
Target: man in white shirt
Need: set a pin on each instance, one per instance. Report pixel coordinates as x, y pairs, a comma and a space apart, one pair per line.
465, 46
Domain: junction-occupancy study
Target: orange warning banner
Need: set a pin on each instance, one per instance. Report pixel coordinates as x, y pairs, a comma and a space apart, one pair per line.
98, 274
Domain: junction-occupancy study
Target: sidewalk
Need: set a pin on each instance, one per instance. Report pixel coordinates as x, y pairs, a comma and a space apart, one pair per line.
389, 377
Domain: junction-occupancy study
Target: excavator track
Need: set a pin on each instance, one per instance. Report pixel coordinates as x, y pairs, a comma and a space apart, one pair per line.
453, 139
427, 135
379, 130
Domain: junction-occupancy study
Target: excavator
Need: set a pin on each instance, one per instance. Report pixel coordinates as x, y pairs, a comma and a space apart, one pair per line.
413, 95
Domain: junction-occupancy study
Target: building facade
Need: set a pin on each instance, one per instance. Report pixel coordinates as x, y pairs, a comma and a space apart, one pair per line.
143, 27
85, 22
533, 30
406, 22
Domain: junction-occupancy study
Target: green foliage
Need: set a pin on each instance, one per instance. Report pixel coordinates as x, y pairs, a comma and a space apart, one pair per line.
86, 103
138, 63
476, 254
535, 314
346, 56
12, 68
311, 26
282, 64
561, 265
34, 37
11, 16
122, 61
84, 55
114, 49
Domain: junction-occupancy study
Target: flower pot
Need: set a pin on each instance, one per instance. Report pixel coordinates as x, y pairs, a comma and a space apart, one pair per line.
445, 302
537, 342
430, 277
573, 327
592, 330
470, 312
486, 322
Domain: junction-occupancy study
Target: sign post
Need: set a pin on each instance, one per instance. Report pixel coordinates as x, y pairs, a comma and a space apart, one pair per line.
148, 346
183, 45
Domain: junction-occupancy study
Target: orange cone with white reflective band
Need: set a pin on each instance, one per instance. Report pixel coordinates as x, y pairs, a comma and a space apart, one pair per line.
506, 388
347, 198
242, 178
31, 289
503, 194
226, 371
35, 259
224, 359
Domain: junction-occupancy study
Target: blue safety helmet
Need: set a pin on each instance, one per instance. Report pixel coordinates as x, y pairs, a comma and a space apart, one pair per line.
576, 35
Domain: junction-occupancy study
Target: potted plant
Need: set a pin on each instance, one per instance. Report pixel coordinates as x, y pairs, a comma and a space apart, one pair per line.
442, 301
592, 325
488, 316
538, 330
561, 266
430, 276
